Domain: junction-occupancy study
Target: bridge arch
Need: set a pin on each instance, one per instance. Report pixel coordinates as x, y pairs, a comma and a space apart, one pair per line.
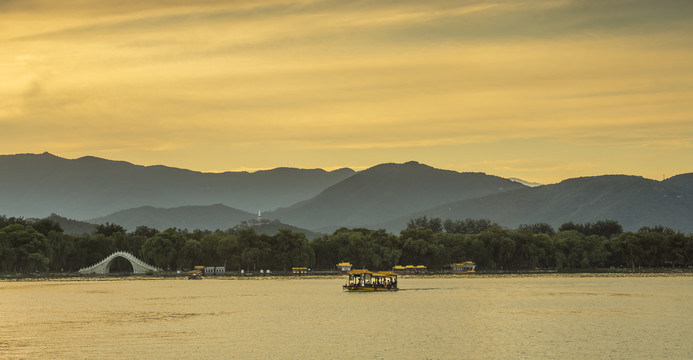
103, 267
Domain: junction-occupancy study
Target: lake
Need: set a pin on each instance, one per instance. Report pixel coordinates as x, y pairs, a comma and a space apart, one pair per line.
487, 317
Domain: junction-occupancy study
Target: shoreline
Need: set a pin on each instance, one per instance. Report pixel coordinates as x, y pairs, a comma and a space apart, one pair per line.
486, 275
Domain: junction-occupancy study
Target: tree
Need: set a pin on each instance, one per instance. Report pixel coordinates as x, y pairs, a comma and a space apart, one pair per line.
606, 228
570, 249
433, 224
62, 246
291, 249
421, 247
23, 248
160, 250
676, 248
468, 226
229, 252
501, 246
208, 244
45, 226
538, 228
633, 248
596, 253
326, 252
190, 255
145, 231
109, 229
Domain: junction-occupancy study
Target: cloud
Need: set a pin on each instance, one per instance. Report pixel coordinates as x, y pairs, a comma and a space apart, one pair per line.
397, 78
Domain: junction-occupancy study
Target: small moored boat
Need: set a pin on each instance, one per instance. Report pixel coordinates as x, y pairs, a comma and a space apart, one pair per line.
194, 275
364, 280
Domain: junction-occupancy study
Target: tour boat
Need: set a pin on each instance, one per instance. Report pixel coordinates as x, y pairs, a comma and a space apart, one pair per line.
194, 275
364, 280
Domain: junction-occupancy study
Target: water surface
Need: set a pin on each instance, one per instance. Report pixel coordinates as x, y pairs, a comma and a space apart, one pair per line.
430, 318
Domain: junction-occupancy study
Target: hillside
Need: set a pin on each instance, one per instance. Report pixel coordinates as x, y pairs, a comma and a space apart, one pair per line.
632, 201
73, 227
212, 217
34, 185
273, 228
384, 196
684, 182
386, 192
185, 217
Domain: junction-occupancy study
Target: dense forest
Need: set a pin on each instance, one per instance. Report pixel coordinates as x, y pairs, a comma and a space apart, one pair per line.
42, 246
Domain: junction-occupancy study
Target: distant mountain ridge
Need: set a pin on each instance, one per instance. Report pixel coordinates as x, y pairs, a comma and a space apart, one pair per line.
384, 196
389, 191
631, 200
36, 185
210, 217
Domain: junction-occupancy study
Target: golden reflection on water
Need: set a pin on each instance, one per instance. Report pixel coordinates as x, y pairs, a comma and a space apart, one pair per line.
429, 318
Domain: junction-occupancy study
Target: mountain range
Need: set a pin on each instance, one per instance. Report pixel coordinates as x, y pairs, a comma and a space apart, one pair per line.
631, 200
384, 196
36, 185
389, 191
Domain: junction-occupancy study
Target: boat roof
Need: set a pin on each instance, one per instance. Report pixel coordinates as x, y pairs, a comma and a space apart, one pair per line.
385, 274
359, 271
466, 263
377, 274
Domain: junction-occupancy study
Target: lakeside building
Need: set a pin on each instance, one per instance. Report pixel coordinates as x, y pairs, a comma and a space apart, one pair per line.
299, 270
258, 221
214, 270
344, 267
463, 268
410, 269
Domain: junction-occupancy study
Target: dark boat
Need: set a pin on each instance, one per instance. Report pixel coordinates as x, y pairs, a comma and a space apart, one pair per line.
364, 280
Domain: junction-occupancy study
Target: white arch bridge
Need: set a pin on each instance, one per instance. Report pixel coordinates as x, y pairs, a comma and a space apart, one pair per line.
104, 266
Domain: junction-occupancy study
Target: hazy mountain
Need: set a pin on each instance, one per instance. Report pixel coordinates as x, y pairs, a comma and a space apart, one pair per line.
632, 201
274, 227
384, 196
525, 182
211, 217
37, 185
73, 227
386, 192
684, 182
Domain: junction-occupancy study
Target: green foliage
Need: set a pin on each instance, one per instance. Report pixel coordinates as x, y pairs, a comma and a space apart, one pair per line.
23, 249
160, 250
468, 226
606, 228
109, 229
41, 246
433, 224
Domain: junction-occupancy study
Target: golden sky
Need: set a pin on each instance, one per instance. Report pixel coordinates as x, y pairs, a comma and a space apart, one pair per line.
541, 90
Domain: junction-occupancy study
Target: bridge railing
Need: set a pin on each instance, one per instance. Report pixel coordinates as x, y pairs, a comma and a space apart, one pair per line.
128, 256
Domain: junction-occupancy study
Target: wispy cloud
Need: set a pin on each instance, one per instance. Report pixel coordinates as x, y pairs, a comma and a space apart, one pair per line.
358, 78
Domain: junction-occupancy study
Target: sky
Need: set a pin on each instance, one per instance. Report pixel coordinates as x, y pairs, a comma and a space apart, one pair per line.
539, 90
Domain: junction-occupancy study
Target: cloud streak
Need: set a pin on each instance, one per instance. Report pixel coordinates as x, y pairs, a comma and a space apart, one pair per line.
386, 80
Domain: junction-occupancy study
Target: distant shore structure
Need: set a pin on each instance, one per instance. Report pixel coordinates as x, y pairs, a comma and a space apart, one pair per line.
410, 269
344, 267
258, 221
463, 268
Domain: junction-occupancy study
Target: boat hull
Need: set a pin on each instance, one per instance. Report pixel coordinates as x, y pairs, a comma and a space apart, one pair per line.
367, 288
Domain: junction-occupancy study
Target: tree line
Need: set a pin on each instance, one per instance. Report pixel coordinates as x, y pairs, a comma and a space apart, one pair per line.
40, 246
